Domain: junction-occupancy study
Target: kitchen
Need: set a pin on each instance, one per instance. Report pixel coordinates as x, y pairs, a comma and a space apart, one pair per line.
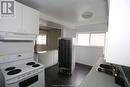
30, 49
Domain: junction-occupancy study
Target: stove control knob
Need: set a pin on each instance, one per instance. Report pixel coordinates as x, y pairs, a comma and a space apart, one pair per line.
23, 75
33, 71
29, 73
18, 77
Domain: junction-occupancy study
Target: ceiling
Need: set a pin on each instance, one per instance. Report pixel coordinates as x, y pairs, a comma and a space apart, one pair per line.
70, 11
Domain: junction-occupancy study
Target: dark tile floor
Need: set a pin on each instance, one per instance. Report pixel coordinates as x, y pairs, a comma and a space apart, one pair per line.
54, 79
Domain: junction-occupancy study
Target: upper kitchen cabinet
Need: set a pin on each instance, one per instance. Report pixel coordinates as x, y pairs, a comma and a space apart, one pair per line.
12, 24
117, 48
30, 20
25, 22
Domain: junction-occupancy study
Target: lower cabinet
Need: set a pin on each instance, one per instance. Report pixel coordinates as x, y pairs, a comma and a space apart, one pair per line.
48, 58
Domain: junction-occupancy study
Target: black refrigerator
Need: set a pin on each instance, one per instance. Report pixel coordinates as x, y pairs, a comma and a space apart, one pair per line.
65, 56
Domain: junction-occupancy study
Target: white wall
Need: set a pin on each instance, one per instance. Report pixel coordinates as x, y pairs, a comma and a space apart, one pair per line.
92, 28
86, 55
68, 32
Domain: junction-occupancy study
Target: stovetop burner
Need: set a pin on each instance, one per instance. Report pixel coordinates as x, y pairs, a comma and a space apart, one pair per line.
15, 71
35, 65
30, 63
10, 68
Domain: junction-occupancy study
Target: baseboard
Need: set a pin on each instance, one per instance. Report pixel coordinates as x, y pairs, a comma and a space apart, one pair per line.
85, 65
75, 63
51, 66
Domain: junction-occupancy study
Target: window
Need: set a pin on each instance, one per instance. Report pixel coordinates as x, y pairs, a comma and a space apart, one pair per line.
41, 39
90, 39
83, 39
97, 39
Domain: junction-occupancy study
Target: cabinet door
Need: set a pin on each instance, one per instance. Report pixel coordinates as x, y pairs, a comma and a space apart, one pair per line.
30, 20
118, 41
13, 24
55, 57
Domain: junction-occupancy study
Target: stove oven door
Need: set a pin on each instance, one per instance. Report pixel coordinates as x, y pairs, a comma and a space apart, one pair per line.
33, 81
29, 82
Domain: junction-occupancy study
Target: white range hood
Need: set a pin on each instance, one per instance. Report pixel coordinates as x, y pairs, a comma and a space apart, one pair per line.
16, 36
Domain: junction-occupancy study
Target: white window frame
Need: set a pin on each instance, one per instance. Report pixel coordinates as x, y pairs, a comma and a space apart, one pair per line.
41, 43
90, 38
77, 39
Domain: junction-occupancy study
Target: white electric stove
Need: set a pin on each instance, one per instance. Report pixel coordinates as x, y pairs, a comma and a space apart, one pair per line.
21, 70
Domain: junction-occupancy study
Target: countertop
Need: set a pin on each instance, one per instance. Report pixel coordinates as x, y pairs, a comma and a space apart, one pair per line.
98, 79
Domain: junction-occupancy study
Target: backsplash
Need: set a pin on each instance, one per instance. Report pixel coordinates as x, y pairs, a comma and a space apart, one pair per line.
10, 47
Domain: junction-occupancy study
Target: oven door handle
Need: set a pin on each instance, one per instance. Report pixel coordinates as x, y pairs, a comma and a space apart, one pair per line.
29, 81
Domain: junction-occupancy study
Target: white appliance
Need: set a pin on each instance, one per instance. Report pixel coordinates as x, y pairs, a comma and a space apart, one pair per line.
24, 72
18, 66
